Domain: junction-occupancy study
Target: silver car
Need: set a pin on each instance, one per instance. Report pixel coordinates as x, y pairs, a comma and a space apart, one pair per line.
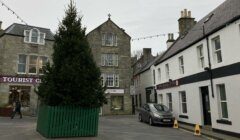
155, 114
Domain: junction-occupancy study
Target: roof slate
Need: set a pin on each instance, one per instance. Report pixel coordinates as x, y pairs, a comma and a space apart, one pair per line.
18, 30
222, 15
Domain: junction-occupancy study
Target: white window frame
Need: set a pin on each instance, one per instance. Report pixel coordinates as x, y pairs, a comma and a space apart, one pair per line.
216, 51
160, 98
182, 102
41, 65
200, 55
112, 40
167, 71
106, 62
159, 74
169, 102
26, 64
154, 78
36, 65
220, 101
28, 37
115, 80
181, 64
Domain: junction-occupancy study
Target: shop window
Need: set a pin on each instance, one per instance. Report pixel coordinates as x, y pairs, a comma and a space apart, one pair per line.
116, 102
20, 93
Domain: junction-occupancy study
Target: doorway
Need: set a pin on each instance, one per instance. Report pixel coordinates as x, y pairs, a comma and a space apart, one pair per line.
206, 105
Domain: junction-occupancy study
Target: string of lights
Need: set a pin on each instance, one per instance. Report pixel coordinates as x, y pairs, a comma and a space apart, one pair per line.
150, 37
13, 12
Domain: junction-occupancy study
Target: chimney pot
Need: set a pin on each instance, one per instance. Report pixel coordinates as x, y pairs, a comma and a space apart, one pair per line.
189, 13
182, 14
185, 12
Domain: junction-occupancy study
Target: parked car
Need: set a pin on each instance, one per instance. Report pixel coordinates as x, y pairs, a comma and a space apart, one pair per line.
155, 114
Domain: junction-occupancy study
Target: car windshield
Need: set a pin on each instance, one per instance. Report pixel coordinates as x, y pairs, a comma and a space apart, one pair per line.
159, 107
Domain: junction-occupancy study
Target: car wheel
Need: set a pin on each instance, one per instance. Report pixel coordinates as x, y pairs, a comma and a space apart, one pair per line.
151, 121
140, 117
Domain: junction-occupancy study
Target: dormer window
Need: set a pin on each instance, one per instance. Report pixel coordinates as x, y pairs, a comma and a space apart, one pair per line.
34, 36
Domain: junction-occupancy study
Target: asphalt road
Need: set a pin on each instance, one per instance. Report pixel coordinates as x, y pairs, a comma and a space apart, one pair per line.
110, 128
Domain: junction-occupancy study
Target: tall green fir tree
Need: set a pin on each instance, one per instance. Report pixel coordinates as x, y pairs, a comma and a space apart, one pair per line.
73, 78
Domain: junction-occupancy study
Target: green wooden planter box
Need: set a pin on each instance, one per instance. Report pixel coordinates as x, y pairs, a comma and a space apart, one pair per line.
67, 121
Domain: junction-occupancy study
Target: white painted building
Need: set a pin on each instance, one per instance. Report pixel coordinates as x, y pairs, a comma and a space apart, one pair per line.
198, 76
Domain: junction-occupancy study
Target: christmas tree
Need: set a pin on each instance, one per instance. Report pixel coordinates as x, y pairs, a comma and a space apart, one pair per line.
73, 78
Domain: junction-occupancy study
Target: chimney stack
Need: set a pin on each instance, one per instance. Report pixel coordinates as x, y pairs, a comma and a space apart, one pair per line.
170, 40
147, 54
185, 22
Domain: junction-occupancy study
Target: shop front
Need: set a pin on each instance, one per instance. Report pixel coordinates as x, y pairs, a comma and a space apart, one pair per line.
16, 88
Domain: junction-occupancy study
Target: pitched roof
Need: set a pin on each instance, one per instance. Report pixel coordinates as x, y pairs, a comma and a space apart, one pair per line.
226, 13
109, 20
18, 30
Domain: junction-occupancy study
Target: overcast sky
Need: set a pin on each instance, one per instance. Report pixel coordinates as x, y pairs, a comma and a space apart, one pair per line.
139, 18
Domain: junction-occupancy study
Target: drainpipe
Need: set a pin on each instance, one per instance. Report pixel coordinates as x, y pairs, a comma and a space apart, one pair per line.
209, 69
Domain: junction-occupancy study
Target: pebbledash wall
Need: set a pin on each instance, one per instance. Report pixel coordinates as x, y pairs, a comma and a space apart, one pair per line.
225, 98
24, 51
111, 50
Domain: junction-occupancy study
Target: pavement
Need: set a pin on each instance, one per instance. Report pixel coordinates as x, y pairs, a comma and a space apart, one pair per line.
110, 128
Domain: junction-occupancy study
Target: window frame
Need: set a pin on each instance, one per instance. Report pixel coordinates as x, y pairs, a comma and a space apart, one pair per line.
169, 102
216, 51
36, 65
167, 70
105, 59
28, 36
181, 64
115, 81
182, 102
111, 41
122, 102
159, 75
154, 78
220, 101
26, 63
201, 58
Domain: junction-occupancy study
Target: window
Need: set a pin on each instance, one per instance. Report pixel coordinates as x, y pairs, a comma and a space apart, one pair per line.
160, 98
181, 65
109, 39
167, 71
159, 74
34, 36
111, 80
116, 103
22, 60
200, 56
109, 60
217, 49
222, 101
32, 67
169, 101
183, 102
31, 64
42, 62
154, 80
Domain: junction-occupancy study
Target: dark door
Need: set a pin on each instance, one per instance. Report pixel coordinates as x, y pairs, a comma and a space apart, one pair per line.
206, 106
148, 93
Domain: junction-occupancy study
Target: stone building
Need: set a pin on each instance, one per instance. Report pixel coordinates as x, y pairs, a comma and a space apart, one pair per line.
110, 46
24, 51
